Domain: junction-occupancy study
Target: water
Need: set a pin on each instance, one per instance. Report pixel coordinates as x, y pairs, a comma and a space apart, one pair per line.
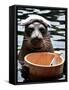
57, 29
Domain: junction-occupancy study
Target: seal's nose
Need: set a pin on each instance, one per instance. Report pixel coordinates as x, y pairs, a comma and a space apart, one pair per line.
36, 40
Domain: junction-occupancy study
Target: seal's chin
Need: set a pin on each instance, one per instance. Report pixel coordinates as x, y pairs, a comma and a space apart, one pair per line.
36, 48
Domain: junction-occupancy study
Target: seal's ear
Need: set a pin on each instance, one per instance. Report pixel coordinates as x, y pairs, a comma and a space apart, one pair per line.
32, 18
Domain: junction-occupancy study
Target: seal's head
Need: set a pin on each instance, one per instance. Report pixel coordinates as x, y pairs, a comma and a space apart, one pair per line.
36, 31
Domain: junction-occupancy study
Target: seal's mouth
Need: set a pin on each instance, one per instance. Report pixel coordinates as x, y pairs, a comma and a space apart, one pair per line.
36, 48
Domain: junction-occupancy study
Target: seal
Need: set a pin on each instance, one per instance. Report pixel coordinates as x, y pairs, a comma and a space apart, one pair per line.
36, 39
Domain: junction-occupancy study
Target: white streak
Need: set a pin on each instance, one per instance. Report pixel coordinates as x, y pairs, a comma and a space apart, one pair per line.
32, 18
36, 33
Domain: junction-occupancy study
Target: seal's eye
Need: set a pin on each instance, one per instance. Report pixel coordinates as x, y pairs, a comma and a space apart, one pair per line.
42, 30
29, 30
